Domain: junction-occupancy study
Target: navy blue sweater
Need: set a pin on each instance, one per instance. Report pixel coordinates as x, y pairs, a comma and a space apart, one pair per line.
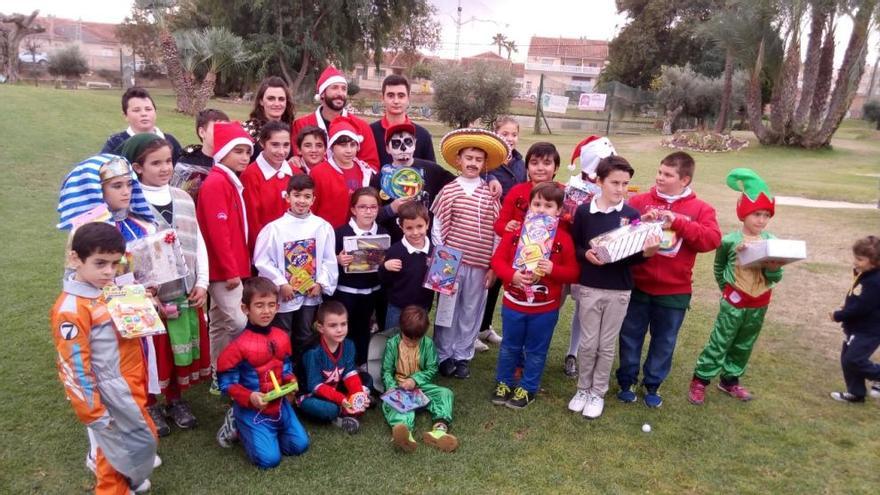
355, 280
509, 174
586, 226
116, 140
405, 287
861, 308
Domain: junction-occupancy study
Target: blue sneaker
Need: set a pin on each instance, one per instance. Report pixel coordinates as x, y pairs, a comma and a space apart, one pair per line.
653, 399
627, 395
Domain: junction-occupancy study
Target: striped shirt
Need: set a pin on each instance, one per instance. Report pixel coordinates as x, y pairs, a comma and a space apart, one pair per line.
466, 221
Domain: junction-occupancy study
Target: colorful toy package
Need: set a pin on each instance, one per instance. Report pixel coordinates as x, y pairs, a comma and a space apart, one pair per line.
405, 400
625, 241
300, 264
157, 259
132, 312
368, 252
189, 178
443, 270
577, 192
535, 241
400, 182
99, 213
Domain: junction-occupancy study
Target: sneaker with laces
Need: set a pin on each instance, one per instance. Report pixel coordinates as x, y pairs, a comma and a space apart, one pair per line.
447, 367
491, 336
214, 389
697, 392
440, 440
348, 424
157, 461
520, 399
847, 397
595, 406
653, 399
736, 391
480, 346
181, 414
402, 438
462, 369
501, 394
627, 395
875, 390
91, 464
227, 434
579, 401
143, 487
158, 417
570, 367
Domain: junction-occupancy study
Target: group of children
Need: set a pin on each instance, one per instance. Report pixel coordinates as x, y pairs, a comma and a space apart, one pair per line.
263, 239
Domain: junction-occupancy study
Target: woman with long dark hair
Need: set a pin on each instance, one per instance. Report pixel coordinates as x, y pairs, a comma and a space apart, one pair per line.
272, 102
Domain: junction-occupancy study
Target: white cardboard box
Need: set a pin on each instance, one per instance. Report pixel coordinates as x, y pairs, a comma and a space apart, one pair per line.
624, 241
783, 250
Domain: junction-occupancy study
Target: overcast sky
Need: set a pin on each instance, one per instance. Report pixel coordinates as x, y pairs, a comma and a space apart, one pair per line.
519, 20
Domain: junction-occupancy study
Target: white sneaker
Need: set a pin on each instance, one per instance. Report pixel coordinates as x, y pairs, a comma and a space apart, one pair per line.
874, 391
90, 463
480, 346
490, 336
157, 461
143, 487
594, 407
577, 403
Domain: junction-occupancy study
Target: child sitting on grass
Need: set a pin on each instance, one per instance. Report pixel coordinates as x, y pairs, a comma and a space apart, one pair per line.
529, 319
409, 363
860, 316
267, 428
333, 390
745, 293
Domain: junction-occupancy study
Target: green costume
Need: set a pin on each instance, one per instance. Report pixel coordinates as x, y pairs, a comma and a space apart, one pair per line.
440, 406
746, 291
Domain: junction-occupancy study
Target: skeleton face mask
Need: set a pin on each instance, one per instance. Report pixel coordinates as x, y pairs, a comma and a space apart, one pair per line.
401, 147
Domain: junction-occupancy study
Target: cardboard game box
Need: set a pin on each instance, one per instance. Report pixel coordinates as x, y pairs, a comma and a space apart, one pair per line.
784, 250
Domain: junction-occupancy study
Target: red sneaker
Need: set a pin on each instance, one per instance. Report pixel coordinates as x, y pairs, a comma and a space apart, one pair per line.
736, 391
697, 392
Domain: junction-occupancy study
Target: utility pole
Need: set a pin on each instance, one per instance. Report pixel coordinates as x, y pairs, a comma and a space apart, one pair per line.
458, 30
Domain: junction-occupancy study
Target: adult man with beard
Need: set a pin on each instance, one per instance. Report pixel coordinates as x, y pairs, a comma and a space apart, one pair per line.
395, 98
333, 95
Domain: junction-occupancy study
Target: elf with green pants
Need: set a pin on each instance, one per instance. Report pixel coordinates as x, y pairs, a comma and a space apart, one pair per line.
410, 362
745, 292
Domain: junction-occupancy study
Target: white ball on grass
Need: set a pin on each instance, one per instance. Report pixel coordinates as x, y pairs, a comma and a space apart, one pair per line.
646, 428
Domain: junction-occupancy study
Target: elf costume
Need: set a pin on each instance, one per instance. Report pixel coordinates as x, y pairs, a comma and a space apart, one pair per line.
402, 361
745, 296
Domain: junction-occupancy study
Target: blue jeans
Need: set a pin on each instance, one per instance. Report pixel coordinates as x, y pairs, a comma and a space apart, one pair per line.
663, 323
527, 334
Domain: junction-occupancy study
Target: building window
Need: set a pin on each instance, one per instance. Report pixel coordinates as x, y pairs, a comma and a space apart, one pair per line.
107, 52
548, 61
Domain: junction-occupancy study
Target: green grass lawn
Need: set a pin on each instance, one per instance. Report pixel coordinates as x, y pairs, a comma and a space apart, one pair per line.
791, 438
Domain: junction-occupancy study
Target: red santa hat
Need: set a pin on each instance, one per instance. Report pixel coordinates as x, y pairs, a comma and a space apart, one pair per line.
228, 135
590, 151
404, 127
343, 126
331, 75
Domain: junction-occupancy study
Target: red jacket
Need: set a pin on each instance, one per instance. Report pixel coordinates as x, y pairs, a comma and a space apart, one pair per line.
698, 230
331, 192
548, 290
221, 215
516, 205
367, 151
264, 199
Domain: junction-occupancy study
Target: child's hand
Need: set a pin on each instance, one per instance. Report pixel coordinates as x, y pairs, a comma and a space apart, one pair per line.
298, 162
495, 189
408, 384
741, 246
831, 316
393, 265
344, 259
649, 216
773, 265
668, 217
315, 291
523, 278
489, 279
545, 267
257, 400
512, 225
198, 297
233, 283
652, 245
397, 203
286, 292
592, 258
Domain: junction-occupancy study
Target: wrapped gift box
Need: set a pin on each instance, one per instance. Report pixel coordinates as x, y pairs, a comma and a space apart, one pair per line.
624, 241
784, 250
157, 259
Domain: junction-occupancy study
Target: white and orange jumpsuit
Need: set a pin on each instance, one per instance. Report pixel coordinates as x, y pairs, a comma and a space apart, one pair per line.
103, 375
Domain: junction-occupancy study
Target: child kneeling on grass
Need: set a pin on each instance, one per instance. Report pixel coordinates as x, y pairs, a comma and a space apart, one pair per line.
860, 316
745, 293
410, 363
267, 429
531, 303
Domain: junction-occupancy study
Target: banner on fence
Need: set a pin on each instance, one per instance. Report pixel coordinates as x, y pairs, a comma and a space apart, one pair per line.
592, 101
554, 103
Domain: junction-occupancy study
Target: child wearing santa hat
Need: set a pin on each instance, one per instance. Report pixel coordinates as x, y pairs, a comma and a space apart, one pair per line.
745, 292
332, 92
223, 221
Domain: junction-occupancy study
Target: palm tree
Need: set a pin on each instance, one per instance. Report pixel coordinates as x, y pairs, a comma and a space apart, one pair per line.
181, 82
214, 49
510, 46
500, 40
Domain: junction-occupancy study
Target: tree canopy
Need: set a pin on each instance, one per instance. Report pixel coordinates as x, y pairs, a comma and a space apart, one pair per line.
464, 94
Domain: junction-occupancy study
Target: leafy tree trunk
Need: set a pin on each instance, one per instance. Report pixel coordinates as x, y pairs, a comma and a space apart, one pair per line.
726, 91
785, 90
754, 105
669, 119
202, 93
811, 67
19, 27
823, 81
301, 74
181, 80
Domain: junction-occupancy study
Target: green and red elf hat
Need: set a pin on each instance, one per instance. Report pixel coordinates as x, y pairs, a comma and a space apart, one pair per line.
755, 193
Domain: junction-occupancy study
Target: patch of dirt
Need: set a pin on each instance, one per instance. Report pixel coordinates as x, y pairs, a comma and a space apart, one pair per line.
820, 203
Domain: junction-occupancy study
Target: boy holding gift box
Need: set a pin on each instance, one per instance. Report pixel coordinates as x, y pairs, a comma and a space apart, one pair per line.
605, 285
662, 291
334, 391
249, 367
409, 363
464, 217
531, 300
745, 292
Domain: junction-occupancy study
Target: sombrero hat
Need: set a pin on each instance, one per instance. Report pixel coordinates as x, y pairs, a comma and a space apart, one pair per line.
497, 150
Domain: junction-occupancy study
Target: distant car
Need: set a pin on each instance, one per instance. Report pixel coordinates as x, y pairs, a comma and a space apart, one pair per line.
33, 58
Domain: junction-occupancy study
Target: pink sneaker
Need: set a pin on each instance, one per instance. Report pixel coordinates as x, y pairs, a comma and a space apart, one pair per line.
736, 391
697, 392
